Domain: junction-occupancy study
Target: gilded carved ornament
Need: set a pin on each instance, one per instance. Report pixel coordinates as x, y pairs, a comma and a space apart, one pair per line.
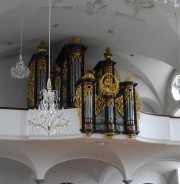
108, 54
64, 90
78, 97
64, 69
108, 69
88, 75
57, 76
119, 102
31, 83
76, 55
76, 41
119, 105
42, 47
109, 84
129, 79
78, 104
41, 66
100, 104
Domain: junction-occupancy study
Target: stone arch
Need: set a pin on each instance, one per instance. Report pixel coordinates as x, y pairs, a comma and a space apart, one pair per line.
97, 168
163, 156
15, 170
93, 151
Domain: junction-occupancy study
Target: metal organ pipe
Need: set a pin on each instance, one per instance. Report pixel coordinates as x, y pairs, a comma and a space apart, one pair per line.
88, 108
130, 110
71, 78
75, 74
110, 114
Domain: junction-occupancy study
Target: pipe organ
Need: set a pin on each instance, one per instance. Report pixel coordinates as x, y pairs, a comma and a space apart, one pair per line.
104, 103
37, 79
71, 62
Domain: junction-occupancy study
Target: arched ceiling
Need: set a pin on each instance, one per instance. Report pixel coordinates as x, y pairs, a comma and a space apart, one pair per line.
92, 158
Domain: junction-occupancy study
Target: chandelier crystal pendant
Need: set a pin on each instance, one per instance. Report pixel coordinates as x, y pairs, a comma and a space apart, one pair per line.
20, 71
48, 119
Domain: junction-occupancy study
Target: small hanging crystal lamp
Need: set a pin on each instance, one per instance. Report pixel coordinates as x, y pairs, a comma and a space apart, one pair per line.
48, 119
20, 71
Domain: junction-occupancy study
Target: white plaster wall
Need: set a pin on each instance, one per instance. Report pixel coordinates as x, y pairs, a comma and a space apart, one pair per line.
13, 92
113, 176
16, 119
148, 176
151, 127
57, 176
79, 172
174, 178
62, 175
7, 177
147, 108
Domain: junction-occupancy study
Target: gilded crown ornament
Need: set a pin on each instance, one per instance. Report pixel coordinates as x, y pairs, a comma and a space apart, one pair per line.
129, 79
76, 41
108, 54
42, 47
88, 75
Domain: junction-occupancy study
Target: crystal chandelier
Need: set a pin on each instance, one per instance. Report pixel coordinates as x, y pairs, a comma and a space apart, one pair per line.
20, 71
150, 3
48, 119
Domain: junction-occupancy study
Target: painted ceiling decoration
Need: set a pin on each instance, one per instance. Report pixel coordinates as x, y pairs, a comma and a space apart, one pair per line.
91, 7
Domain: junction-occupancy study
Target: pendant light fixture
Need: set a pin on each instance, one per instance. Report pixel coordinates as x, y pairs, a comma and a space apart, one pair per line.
48, 119
20, 71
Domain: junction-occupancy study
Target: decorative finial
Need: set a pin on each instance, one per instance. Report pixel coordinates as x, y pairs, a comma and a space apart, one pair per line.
77, 41
129, 79
108, 54
88, 134
110, 135
42, 47
88, 74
